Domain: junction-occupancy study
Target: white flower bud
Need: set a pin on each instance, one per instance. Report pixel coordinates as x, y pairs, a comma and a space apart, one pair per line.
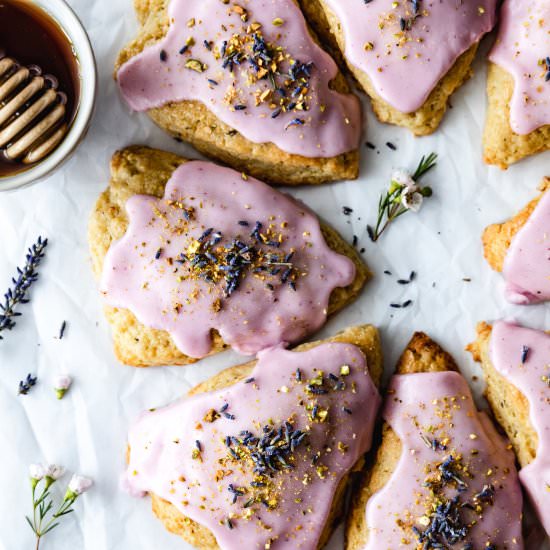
54, 471
412, 201
404, 178
37, 471
62, 384
79, 485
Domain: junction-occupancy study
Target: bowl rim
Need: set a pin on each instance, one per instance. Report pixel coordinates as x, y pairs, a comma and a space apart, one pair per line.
68, 21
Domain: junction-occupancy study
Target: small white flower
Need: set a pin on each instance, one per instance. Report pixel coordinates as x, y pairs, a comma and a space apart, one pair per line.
79, 485
404, 178
412, 200
62, 384
54, 471
37, 471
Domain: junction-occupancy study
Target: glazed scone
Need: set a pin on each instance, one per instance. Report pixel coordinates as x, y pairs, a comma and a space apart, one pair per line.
518, 84
519, 249
516, 364
245, 85
144, 171
400, 53
204, 484
434, 437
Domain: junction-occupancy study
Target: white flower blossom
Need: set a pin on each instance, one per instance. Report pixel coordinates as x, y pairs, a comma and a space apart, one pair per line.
62, 384
37, 471
404, 178
54, 471
412, 200
79, 485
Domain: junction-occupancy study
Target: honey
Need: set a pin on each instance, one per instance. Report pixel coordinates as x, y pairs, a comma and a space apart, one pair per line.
32, 38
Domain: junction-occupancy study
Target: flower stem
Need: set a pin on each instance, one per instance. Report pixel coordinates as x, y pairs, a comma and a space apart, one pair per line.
37, 542
34, 507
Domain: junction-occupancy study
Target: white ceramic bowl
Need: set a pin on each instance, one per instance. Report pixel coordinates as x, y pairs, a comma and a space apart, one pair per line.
69, 22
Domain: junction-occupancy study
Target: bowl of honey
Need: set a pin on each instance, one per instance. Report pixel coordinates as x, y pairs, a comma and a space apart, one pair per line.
48, 88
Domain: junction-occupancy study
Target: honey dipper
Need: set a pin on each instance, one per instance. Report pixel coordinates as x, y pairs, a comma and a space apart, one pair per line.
32, 112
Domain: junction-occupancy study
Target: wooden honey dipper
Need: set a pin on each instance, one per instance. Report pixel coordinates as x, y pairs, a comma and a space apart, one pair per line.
32, 112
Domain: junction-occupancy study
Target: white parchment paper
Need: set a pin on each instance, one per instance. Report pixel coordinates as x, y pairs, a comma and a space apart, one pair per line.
86, 432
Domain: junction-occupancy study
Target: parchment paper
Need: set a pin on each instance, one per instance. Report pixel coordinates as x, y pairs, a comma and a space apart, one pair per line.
86, 432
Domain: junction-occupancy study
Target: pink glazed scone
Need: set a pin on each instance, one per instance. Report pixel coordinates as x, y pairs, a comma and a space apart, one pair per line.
519, 248
518, 84
245, 83
193, 258
260, 455
443, 477
516, 364
409, 56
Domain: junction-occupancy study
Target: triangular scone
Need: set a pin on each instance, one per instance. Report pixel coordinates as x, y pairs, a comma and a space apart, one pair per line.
233, 90
398, 55
518, 112
518, 248
510, 407
316, 487
516, 364
430, 447
144, 171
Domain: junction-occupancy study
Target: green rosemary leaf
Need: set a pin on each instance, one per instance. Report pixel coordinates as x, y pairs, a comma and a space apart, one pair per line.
30, 523
425, 165
53, 526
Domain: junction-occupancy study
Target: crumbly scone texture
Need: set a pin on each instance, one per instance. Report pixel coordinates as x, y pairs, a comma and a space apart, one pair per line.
365, 337
421, 355
422, 122
509, 405
498, 237
141, 170
501, 145
191, 121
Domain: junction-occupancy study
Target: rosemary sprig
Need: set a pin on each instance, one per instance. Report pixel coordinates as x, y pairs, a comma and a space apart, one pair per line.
18, 294
403, 195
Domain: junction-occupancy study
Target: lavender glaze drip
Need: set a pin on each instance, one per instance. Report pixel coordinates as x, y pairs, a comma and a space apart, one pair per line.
407, 47
217, 480
522, 357
523, 48
527, 263
219, 252
221, 53
452, 460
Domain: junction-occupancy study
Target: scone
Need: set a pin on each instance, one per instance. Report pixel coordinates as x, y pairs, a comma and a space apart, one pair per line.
518, 84
259, 456
245, 83
192, 257
443, 477
519, 249
409, 57
516, 363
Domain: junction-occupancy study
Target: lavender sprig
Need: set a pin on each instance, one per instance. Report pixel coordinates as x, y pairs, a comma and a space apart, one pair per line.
18, 294
26, 385
404, 195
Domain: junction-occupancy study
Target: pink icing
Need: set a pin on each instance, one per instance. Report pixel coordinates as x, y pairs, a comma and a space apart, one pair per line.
141, 271
331, 122
522, 356
404, 66
163, 443
434, 416
522, 46
527, 263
